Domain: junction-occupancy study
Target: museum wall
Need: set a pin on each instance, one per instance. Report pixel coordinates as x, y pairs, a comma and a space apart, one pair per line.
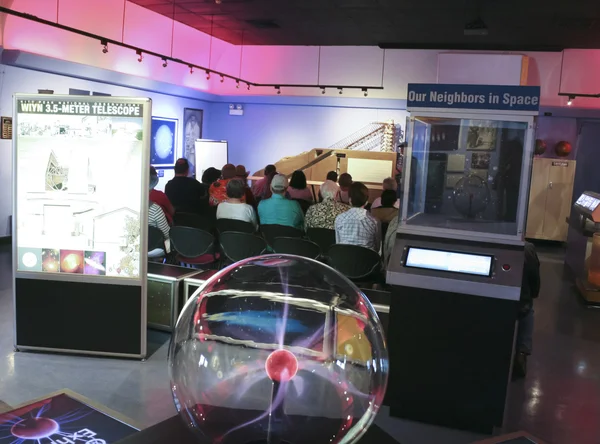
18, 80
272, 129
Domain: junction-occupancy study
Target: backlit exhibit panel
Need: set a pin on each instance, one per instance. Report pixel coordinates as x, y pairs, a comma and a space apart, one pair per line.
79, 185
476, 264
588, 202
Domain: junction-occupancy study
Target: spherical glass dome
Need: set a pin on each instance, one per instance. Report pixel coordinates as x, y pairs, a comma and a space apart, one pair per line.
471, 196
278, 349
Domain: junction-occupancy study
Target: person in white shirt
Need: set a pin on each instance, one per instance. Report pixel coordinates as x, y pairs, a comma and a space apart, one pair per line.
233, 207
156, 218
388, 184
356, 226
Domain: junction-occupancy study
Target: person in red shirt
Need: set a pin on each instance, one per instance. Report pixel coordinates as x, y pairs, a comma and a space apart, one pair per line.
160, 198
218, 190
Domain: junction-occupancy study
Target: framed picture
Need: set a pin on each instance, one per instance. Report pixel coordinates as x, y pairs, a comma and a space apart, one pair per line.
452, 179
162, 143
192, 131
456, 163
480, 161
482, 135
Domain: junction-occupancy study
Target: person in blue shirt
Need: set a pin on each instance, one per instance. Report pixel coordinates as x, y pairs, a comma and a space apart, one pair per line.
279, 210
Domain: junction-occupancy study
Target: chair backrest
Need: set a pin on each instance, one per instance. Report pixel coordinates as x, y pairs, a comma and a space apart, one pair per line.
155, 238
297, 246
191, 242
353, 261
239, 226
238, 246
323, 237
271, 231
193, 220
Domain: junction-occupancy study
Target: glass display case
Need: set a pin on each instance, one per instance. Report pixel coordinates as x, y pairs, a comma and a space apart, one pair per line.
467, 176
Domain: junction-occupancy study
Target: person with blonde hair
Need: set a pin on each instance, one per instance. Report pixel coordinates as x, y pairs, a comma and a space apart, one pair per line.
322, 215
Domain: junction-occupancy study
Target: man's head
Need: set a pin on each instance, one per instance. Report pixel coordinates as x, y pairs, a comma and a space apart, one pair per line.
328, 190
359, 194
182, 167
388, 198
333, 176
228, 171
235, 189
210, 176
279, 184
390, 184
270, 169
153, 177
345, 181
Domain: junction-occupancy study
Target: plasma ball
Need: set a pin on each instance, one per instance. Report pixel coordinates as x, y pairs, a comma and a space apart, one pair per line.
281, 365
34, 428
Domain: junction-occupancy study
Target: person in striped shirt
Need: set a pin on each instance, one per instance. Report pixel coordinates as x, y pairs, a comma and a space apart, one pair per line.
156, 218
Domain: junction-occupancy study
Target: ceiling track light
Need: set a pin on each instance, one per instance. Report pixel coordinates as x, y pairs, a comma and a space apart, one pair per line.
570, 102
278, 89
164, 62
323, 91
140, 55
366, 91
191, 69
248, 85
222, 79
104, 44
237, 84
207, 74
341, 91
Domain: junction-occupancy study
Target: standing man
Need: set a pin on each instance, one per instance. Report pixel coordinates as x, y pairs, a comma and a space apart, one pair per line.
186, 193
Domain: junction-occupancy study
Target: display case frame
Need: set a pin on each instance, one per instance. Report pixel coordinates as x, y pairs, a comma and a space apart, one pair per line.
452, 233
78, 306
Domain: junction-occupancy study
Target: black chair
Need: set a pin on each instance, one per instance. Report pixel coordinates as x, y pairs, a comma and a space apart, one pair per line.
193, 220
359, 264
323, 237
224, 225
238, 246
297, 246
271, 231
193, 246
304, 204
156, 240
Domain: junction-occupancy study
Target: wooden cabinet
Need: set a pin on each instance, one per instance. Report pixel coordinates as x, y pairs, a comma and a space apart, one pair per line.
550, 199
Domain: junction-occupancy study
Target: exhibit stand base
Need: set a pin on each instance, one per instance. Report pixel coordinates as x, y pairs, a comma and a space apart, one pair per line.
173, 430
450, 358
590, 293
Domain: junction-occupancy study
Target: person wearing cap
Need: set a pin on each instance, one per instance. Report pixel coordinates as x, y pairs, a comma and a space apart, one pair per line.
218, 190
186, 193
261, 189
277, 210
242, 175
160, 198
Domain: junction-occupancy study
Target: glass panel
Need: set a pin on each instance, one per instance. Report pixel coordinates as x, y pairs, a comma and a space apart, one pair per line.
466, 174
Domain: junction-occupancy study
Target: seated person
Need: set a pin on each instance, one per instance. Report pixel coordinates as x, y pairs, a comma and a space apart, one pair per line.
210, 176
343, 194
390, 240
242, 175
332, 177
388, 184
322, 215
387, 210
160, 198
356, 226
218, 190
261, 188
233, 207
156, 218
279, 210
298, 190
186, 193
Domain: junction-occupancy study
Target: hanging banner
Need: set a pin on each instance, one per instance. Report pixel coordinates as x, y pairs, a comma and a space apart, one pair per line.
474, 97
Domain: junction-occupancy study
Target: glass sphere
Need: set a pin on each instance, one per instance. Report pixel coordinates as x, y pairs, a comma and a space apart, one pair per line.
471, 195
278, 349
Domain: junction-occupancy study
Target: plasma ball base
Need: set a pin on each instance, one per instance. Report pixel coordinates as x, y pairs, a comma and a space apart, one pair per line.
34, 428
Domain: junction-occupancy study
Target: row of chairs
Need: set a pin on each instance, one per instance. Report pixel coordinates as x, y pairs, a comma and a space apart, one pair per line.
237, 241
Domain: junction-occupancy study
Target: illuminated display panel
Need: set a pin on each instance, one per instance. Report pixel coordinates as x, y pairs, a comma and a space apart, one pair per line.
465, 263
588, 202
79, 179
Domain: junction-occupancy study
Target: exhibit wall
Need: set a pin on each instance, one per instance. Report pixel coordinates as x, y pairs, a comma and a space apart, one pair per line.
267, 132
18, 80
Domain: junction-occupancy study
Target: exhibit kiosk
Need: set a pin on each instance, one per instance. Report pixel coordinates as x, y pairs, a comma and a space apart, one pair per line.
457, 264
80, 204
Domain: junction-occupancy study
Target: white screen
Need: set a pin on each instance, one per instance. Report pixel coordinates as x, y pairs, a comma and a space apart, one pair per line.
449, 261
210, 153
79, 185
